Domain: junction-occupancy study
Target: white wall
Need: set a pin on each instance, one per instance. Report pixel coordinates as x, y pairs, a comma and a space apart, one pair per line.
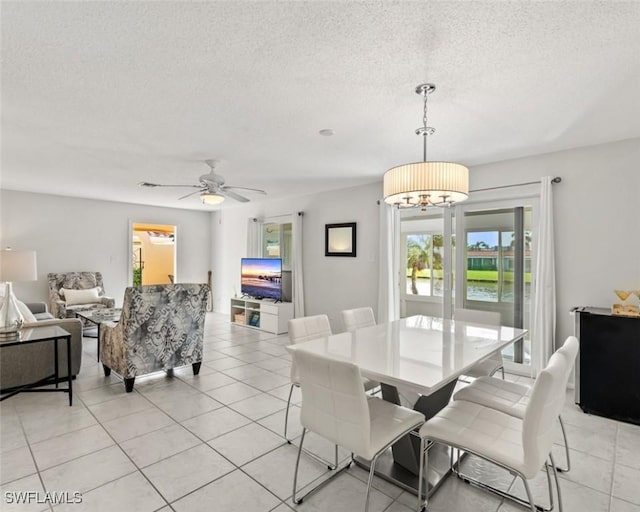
597, 220
71, 234
331, 283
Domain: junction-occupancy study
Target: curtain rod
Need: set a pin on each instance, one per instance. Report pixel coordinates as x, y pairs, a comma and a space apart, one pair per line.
557, 179
300, 214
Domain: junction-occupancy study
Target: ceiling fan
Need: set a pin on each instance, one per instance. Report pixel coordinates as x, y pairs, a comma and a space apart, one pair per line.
211, 188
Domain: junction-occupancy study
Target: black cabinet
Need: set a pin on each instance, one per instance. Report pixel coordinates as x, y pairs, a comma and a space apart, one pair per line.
608, 366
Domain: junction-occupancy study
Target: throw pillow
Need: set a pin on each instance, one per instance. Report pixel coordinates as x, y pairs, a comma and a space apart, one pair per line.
75, 297
62, 290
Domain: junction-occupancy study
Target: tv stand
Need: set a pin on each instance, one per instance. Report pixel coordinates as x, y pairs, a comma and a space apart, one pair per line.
260, 314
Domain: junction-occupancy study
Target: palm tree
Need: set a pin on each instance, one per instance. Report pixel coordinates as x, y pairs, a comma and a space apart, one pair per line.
418, 257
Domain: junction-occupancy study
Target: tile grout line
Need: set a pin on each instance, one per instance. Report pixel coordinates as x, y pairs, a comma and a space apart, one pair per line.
613, 473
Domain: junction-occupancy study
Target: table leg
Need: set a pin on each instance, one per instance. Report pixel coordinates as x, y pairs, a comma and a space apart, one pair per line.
55, 359
98, 341
401, 466
69, 377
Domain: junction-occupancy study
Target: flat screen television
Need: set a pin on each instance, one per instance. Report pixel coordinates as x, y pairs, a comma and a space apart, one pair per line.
261, 278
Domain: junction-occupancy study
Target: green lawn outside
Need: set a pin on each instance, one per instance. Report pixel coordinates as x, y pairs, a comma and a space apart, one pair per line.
473, 275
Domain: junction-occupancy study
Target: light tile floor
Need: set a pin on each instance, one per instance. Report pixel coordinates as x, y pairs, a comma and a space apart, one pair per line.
213, 442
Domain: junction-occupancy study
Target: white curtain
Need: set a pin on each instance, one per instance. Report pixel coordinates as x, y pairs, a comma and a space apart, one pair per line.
254, 249
388, 285
543, 326
298, 284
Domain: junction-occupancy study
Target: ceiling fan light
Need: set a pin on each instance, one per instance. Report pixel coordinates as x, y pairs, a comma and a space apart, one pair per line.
210, 198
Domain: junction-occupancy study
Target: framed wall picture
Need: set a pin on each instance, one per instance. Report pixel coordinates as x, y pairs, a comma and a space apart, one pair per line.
340, 239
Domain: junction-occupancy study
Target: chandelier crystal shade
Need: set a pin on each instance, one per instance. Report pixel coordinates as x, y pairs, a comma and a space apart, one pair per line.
424, 184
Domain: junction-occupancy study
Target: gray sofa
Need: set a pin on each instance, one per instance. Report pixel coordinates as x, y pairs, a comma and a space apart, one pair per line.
23, 365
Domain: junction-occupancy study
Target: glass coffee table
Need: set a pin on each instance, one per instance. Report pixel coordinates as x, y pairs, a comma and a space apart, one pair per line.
97, 316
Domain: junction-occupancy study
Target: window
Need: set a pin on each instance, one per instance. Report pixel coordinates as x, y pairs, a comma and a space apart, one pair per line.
491, 266
424, 272
276, 242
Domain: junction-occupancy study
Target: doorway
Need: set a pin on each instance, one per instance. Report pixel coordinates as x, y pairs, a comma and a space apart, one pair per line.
153, 254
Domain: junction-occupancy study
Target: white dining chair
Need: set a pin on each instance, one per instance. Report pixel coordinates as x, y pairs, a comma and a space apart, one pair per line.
512, 398
300, 330
494, 363
358, 318
305, 329
336, 407
519, 445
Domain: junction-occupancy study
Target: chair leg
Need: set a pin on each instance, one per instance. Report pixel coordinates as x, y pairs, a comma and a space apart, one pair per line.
566, 448
502, 370
555, 476
529, 494
295, 474
528, 504
296, 500
286, 414
107, 370
549, 486
422, 474
372, 469
196, 367
128, 384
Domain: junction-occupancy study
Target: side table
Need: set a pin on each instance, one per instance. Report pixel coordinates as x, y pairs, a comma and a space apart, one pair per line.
97, 316
42, 335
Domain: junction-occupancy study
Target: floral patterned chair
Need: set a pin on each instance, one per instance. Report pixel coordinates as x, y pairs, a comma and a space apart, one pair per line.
161, 328
91, 295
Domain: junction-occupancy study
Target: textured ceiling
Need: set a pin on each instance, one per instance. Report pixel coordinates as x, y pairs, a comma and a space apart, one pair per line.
97, 96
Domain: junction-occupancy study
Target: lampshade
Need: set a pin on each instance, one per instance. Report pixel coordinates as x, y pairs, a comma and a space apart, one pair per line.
210, 198
426, 184
18, 265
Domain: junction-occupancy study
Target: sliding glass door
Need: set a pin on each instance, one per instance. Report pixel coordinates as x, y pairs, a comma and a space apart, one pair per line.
474, 256
495, 266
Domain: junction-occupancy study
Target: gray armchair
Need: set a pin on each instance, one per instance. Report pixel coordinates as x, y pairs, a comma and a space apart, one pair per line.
161, 328
76, 281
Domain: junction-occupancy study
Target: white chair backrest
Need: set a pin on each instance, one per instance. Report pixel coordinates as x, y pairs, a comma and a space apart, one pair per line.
304, 329
476, 316
308, 328
547, 399
334, 404
570, 350
358, 318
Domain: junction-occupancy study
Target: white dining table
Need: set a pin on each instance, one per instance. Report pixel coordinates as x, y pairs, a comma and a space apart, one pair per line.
425, 355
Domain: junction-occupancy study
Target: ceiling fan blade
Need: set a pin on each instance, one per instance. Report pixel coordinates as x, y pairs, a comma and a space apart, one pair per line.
259, 191
190, 194
228, 193
152, 185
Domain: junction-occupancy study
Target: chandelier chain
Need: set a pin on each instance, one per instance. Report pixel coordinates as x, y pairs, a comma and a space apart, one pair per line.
425, 132
424, 115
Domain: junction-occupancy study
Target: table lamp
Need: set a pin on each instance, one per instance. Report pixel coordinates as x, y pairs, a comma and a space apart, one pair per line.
14, 266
